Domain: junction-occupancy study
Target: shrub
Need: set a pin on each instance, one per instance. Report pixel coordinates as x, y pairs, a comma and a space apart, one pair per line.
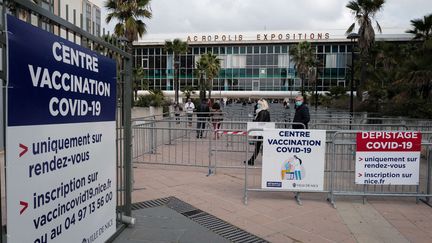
155, 98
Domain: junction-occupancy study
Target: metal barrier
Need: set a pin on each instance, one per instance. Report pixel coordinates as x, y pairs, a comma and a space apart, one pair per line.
340, 168
343, 169
171, 142
174, 142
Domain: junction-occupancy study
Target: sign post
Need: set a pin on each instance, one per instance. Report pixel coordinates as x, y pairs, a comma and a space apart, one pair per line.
388, 158
293, 159
60, 146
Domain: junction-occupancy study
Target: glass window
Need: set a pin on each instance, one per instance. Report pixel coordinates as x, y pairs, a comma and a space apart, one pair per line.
249, 60
248, 72
263, 49
151, 51
151, 62
202, 50
229, 50
249, 49
342, 48
270, 49
277, 49
195, 50
335, 48
331, 60
255, 60
222, 50
242, 50
256, 49
215, 50
320, 49
255, 72
284, 49
327, 48
236, 50
157, 51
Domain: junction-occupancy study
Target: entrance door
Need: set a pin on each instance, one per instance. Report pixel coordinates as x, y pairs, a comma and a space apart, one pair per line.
255, 85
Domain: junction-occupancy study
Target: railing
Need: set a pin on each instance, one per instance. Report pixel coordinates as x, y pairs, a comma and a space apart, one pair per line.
175, 142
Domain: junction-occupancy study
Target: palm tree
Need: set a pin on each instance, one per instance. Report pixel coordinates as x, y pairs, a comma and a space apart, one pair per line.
138, 75
210, 65
199, 73
176, 47
422, 28
128, 14
303, 57
364, 12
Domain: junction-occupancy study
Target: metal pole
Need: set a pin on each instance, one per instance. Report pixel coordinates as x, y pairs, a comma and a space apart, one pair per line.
3, 75
127, 136
176, 79
352, 82
316, 89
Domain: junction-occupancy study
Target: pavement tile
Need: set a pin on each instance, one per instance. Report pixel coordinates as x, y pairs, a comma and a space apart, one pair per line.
276, 216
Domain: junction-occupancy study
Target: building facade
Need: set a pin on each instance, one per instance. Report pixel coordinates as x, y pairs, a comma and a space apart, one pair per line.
73, 11
252, 64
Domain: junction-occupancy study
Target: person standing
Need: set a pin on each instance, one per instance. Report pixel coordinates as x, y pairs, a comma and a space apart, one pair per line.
189, 108
262, 115
216, 118
203, 113
177, 111
301, 114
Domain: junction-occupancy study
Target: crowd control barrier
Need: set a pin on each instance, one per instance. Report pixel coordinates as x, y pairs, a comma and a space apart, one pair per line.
343, 171
173, 141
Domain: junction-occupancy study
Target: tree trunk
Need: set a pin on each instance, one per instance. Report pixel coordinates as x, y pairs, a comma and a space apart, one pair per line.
202, 93
302, 87
210, 88
362, 83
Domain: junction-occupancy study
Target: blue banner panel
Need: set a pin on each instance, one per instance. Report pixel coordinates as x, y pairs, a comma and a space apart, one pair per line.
54, 81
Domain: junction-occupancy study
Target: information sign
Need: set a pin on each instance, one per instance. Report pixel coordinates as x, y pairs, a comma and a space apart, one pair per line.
388, 158
293, 159
60, 139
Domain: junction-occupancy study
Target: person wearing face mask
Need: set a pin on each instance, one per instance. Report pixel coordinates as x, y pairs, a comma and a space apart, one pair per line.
262, 115
301, 113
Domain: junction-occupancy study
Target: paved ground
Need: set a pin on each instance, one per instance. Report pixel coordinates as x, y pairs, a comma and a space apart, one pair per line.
276, 217
162, 224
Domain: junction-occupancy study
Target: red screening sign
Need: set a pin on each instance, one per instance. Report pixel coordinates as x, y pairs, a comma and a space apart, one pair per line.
388, 158
389, 141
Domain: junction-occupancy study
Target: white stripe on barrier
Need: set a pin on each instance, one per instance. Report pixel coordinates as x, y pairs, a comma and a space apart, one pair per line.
231, 132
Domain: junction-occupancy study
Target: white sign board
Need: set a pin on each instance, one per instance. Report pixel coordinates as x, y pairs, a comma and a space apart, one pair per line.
388, 158
259, 125
293, 159
60, 139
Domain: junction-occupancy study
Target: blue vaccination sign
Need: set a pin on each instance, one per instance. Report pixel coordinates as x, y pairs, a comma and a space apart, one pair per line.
53, 81
60, 139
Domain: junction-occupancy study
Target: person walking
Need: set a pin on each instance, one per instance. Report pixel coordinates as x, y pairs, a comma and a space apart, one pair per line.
189, 108
203, 113
262, 115
301, 114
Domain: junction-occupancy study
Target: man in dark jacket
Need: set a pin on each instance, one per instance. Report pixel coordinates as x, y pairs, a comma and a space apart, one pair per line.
203, 113
301, 114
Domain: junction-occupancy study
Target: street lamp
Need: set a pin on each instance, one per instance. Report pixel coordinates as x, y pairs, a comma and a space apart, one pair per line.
353, 37
176, 80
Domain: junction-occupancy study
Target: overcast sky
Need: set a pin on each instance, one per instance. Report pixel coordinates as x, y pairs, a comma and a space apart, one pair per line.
198, 16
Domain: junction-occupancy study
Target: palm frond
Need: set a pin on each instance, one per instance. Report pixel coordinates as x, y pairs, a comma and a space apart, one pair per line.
350, 29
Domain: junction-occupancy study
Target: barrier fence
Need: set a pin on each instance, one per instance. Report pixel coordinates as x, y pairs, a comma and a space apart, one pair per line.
174, 141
